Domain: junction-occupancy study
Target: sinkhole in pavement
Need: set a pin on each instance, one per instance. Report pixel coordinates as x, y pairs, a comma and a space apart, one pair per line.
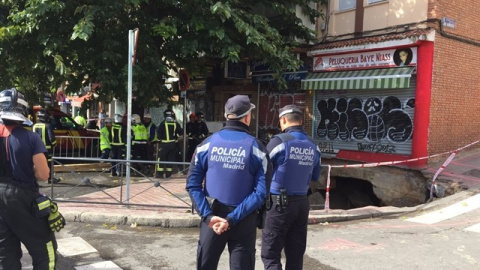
348, 193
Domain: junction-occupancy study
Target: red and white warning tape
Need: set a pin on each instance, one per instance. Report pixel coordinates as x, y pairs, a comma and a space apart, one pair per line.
444, 165
375, 164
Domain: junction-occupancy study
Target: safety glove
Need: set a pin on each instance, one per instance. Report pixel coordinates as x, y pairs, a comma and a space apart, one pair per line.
55, 220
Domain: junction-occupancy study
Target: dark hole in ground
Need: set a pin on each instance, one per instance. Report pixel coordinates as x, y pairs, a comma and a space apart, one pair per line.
349, 193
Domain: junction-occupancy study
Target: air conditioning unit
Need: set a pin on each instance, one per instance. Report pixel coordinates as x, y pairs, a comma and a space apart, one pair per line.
236, 70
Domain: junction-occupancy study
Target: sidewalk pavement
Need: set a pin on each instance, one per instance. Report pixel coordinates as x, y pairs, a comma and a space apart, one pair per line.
167, 204
171, 207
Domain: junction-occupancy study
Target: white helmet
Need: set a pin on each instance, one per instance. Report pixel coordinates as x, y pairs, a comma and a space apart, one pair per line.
147, 115
108, 120
136, 119
13, 106
118, 118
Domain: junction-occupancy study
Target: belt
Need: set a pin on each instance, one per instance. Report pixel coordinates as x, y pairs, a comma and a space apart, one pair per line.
220, 207
291, 198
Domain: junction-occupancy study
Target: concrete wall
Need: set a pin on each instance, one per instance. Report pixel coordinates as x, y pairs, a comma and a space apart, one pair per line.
377, 15
342, 22
391, 13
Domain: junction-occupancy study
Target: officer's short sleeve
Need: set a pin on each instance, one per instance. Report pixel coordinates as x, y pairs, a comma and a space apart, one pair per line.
37, 144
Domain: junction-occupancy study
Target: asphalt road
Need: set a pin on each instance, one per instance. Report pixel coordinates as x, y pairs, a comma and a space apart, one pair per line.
142, 248
443, 236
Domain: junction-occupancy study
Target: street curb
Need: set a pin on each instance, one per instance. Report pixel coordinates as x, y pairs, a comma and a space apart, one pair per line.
166, 220
188, 220
322, 216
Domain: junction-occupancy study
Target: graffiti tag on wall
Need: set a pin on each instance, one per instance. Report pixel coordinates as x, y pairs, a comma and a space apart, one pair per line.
377, 124
270, 103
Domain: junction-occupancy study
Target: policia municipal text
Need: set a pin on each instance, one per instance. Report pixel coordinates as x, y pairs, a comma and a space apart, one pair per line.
26, 216
234, 188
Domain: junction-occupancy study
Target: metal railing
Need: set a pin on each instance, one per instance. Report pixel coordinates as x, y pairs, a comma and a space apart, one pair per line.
77, 147
77, 186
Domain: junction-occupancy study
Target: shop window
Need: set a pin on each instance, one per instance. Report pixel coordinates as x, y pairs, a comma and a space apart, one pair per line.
346, 4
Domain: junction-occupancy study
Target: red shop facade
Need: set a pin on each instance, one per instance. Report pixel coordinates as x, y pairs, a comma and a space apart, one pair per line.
371, 102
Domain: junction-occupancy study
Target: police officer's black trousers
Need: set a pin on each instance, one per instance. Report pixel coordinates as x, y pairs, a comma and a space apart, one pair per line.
241, 245
17, 224
287, 230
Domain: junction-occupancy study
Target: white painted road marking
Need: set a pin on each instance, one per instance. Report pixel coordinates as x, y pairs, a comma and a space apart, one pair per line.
474, 228
107, 265
449, 212
73, 246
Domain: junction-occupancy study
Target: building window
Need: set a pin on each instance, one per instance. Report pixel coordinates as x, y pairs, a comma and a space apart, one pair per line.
376, 1
346, 4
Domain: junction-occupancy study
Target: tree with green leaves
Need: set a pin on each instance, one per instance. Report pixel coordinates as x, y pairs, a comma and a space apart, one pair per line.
44, 43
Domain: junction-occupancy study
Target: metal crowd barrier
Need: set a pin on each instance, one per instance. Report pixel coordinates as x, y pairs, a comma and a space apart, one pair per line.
77, 147
75, 181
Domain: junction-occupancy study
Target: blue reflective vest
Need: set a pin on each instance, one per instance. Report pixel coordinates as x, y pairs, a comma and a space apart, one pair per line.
229, 166
296, 162
228, 177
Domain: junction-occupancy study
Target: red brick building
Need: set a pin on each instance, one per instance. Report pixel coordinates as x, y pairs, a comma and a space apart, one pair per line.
392, 80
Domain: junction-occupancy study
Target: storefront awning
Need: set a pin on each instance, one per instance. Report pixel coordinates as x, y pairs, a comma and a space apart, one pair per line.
388, 78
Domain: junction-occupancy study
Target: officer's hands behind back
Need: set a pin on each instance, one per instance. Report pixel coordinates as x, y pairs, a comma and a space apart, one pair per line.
218, 224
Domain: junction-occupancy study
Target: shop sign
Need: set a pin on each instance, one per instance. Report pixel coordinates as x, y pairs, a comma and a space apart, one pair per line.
262, 74
370, 59
198, 84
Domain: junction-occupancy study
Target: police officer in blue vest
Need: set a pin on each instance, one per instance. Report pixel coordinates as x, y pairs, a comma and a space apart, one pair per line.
24, 212
233, 164
296, 161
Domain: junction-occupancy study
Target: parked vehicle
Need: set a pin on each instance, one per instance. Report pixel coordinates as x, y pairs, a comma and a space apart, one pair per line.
73, 140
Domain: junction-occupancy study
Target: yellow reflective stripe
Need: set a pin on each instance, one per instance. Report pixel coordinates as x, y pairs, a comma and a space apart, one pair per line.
159, 168
41, 126
44, 205
51, 256
168, 133
117, 132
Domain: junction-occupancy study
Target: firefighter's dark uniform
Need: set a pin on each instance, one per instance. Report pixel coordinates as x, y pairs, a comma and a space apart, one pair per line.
152, 139
192, 140
197, 132
233, 164
118, 138
48, 137
167, 134
296, 162
18, 191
